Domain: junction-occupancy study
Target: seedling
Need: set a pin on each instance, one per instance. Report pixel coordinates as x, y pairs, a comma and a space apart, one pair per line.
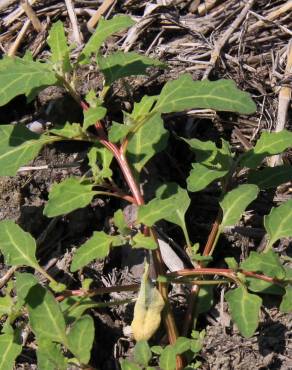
64, 332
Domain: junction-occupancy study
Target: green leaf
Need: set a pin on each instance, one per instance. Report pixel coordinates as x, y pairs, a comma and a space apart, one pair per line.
74, 307
268, 263
21, 76
271, 177
120, 64
235, 202
10, 348
231, 263
221, 95
69, 130
150, 139
58, 44
67, 196
17, 246
18, 146
205, 150
6, 304
142, 241
201, 176
261, 286
80, 338
24, 282
142, 108
286, 304
157, 350
128, 365
92, 115
49, 356
104, 29
142, 353
269, 143
205, 299
97, 246
245, 309
45, 316
278, 223
120, 222
167, 360
182, 345
118, 131
104, 157
171, 206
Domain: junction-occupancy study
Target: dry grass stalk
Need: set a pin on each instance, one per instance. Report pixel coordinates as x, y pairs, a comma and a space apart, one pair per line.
226, 35
14, 47
5, 3
100, 11
31, 15
16, 14
77, 36
283, 104
207, 5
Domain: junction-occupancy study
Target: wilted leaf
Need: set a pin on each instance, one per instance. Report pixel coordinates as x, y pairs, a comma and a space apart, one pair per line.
45, 316
97, 246
142, 353
21, 76
279, 222
10, 348
147, 311
120, 64
17, 246
245, 309
150, 139
59, 48
271, 177
269, 143
67, 196
18, 146
235, 202
80, 338
104, 29
92, 115
286, 304
221, 95
267, 263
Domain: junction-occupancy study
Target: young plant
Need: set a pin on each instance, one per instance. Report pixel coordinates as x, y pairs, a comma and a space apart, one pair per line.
57, 315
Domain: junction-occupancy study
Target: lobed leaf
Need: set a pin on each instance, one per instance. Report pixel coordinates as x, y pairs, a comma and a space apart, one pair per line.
17, 246
97, 246
45, 316
269, 143
147, 310
10, 348
245, 308
271, 177
67, 196
57, 42
120, 64
235, 202
150, 139
104, 29
20, 76
268, 263
221, 95
18, 146
80, 338
278, 223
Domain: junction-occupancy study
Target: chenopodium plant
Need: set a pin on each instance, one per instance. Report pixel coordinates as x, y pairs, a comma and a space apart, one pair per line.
63, 330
